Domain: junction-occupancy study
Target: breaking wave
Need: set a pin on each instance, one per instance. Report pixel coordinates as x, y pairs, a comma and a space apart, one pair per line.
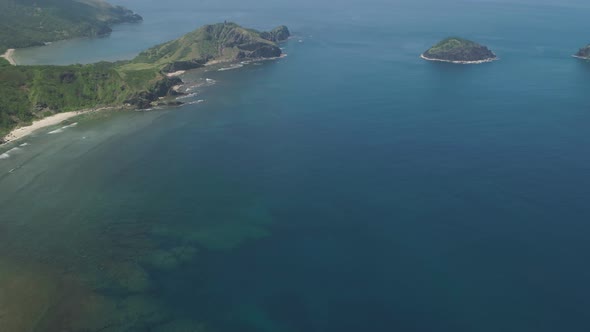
231, 67
60, 130
200, 101
190, 95
7, 154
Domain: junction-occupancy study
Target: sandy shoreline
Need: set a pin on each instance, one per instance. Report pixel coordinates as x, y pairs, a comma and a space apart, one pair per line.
58, 118
55, 119
9, 56
460, 62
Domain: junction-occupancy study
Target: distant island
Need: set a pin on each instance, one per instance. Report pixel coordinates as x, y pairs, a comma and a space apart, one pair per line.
583, 53
458, 50
28, 23
29, 93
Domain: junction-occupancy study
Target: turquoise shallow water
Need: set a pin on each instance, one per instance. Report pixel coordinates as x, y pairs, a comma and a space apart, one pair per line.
348, 187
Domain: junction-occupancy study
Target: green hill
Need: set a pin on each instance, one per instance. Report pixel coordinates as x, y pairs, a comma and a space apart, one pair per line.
459, 50
219, 42
25, 23
32, 92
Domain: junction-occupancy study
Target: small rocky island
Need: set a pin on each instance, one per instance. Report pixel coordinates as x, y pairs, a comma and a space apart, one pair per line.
458, 50
583, 53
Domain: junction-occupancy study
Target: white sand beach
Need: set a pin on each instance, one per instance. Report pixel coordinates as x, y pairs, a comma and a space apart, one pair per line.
55, 119
9, 55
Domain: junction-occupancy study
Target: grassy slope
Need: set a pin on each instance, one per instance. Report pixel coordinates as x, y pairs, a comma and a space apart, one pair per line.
223, 41
25, 23
30, 92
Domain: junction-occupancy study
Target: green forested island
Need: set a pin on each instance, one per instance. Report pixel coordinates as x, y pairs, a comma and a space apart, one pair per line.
25, 23
32, 92
459, 50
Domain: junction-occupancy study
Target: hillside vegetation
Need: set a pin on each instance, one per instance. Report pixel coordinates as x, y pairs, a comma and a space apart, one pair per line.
32, 92
458, 49
220, 42
25, 23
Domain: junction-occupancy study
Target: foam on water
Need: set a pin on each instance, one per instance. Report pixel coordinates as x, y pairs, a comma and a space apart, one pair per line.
239, 65
9, 153
61, 130
200, 101
190, 95
191, 90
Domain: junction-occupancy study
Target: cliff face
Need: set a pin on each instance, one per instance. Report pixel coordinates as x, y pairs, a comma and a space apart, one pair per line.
219, 42
161, 88
277, 35
459, 50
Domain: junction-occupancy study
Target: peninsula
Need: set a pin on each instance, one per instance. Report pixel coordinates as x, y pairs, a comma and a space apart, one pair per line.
458, 50
31, 93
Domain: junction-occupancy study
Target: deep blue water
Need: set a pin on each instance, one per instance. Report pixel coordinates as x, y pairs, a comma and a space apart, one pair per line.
348, 187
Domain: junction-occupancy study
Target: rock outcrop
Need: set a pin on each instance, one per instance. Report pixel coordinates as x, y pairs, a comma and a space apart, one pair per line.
277, 35
583, 53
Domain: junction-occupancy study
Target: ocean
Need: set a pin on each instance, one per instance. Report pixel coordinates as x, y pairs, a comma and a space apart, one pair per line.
350, 186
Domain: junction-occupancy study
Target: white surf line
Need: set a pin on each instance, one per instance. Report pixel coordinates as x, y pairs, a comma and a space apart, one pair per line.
461, 62
46, 122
